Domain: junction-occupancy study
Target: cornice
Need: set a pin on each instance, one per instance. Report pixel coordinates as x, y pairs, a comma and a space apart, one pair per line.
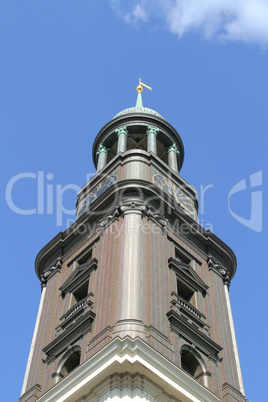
130, 156
194, 233
188, 274
182, 327
132, 356
71, 334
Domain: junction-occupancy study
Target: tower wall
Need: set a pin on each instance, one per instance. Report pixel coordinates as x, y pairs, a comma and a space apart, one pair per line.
135, 280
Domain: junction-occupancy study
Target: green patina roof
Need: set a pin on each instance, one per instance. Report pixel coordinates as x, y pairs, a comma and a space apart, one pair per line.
139, 109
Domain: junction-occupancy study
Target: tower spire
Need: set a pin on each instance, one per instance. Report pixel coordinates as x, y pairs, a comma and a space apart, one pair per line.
139, 89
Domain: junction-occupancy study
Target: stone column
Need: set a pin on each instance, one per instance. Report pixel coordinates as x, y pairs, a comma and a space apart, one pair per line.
151, 141
172, 157
122, 139
103, 156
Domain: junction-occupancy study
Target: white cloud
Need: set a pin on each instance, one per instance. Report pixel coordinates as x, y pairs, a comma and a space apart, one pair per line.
130, 11
235, 20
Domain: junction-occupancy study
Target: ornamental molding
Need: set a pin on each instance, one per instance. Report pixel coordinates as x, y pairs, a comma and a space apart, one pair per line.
72, 315
191, 314
122, 130
72, 333
215, 266
173, 148
153, 130
193, 335
53, 268
78, 276
188, 275
144, 209
132, 206
102, 148
115, 214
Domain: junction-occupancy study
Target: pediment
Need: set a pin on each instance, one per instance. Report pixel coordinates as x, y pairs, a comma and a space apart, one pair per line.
190, 332
187, 274
80, 273
77, 329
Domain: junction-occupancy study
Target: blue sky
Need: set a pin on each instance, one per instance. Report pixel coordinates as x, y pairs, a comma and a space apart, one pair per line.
67, 67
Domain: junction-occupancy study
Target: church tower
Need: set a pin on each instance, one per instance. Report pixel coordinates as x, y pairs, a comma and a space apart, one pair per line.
135, 294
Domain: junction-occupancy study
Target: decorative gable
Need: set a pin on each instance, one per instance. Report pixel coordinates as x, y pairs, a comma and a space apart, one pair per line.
78, 276
187, 275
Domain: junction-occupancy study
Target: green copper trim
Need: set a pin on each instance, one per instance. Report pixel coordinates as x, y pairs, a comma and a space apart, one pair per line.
173, 148
102, 148
121, 130
153, 130
139, 100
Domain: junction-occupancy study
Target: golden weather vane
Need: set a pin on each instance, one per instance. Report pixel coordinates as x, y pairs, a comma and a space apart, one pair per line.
141, 85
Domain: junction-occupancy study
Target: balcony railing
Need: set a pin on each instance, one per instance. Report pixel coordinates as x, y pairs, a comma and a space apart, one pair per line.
190, 312
77, 309
78, 306
189, 307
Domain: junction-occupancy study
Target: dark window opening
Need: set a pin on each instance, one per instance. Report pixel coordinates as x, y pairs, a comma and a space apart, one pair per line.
184, 291
190, 364
85, 258
81, 292
137, 141
71, 363
180, 256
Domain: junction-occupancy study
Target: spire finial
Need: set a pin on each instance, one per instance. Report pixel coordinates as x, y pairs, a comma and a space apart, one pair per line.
139, 89
141, 85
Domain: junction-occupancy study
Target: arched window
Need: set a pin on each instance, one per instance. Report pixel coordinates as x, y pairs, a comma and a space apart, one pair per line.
69, 362
192, 363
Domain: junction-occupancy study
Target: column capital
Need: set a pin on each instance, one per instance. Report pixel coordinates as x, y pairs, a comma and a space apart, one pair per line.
122, 130
173, 148
152, 129
102, 148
